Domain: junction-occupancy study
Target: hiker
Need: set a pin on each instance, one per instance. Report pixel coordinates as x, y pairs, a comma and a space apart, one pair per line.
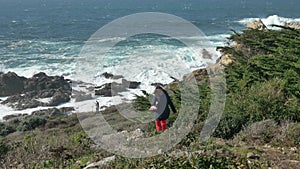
97, 106
160, 105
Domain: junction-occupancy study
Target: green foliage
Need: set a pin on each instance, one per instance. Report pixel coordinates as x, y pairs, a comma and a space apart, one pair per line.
263, 81
288, 135
205, 96
189, 139
294, 134
262, 132
4, 148
141, 103
192, 160
81, 139
229, 126
261, 101
5, 129
263, 55
31, 123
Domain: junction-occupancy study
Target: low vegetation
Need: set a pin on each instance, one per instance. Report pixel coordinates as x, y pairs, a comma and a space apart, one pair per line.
260, 127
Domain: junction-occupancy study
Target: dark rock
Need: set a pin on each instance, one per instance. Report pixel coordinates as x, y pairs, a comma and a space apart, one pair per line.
29, 103
13, 116
82, 97
206, 54
110, 89
130, 84
111, 76
50, 112
58, 98
46, 93
41, 81
11, 83
22, 101
157, 84
117, 77
103, 107
39, 86
251, 155
66, 110
104, 90
107, 75
145, 93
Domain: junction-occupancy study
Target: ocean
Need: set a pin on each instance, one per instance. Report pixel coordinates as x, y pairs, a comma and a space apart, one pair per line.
49, 35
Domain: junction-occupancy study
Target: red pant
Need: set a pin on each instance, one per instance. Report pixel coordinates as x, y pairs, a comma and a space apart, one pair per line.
161, 125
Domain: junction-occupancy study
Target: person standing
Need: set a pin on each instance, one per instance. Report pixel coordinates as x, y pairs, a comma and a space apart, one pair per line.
97, 107
160, 105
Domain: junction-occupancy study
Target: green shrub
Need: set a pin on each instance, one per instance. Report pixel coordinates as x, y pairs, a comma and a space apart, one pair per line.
230, 125
193, 160
31, 123
5, 129
4, 148
287, 135
141, 103
261, 101
81, 139
259, 133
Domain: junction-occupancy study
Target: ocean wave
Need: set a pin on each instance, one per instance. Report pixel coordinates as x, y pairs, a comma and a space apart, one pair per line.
270, 20
144, 39
2, 68
27, 57
54, 57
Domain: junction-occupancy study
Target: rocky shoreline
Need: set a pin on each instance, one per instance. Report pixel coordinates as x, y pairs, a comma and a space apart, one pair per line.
41, 90
40, 141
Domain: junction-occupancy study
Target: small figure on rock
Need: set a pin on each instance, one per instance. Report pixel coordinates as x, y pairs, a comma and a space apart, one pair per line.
97, 106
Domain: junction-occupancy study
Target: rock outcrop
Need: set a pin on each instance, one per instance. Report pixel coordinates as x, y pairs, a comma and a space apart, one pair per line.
111, 76
295, 25
53, 112
40, 90
113, 89
257, 24
13, 116
11, 83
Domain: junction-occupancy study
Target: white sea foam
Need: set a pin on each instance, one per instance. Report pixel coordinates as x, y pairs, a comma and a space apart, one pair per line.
49, 69
2, 68
5, 110
44, 100
179, 62
218, 37
270, 20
